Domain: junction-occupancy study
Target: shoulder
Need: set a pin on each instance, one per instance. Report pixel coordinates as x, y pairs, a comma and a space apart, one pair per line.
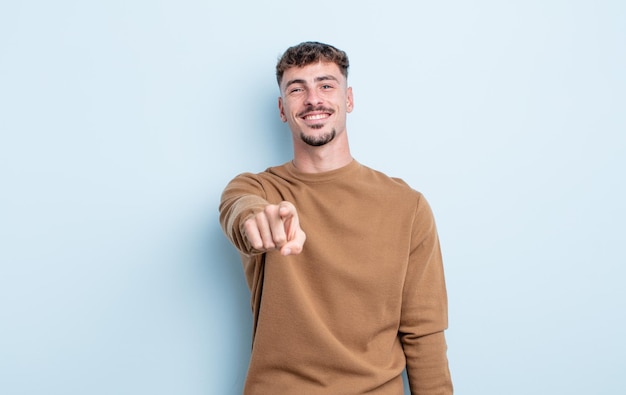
388, 183
255, 183
398, 187
267, 175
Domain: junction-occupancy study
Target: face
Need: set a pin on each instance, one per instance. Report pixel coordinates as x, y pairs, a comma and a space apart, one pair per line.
314, 102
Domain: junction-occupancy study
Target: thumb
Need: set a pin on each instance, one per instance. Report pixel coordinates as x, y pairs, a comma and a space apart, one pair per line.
294, 246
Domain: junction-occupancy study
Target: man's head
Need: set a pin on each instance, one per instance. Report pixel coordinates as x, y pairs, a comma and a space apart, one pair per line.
314, 94
310, 52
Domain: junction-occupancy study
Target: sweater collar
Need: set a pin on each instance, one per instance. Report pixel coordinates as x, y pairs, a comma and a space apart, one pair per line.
326, 176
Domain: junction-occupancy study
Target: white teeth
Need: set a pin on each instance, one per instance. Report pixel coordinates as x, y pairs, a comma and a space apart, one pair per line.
314, 117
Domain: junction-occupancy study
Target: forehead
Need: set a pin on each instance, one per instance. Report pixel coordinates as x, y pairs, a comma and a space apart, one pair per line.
312, 72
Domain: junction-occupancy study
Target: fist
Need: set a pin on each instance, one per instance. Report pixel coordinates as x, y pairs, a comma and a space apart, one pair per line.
277, 227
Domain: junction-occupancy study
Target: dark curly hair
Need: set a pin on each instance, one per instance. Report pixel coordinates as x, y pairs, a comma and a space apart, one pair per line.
310, 52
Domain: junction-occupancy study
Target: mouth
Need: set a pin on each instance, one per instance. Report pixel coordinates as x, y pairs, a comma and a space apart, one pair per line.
314, 116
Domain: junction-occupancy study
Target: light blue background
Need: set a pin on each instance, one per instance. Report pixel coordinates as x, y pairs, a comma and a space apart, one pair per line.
122, 121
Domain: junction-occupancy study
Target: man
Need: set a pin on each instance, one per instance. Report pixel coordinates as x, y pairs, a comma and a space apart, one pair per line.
346, 306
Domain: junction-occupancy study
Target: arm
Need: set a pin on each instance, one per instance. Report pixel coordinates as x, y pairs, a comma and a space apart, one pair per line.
424, 310
254, 225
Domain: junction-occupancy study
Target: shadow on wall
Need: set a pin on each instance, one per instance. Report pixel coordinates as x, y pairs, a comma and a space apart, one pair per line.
274, 148
277, 146
225, 271
230, 314
271, 141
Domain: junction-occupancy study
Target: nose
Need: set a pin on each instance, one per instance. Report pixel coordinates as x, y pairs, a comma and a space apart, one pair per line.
312, 97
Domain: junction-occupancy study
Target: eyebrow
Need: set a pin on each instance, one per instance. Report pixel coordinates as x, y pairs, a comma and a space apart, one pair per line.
317, 79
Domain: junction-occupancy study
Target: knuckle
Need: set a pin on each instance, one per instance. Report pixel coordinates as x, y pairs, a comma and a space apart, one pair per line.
259, 217
249, 224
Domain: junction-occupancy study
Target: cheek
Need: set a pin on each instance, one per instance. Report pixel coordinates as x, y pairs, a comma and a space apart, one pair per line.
290, 110
285, 111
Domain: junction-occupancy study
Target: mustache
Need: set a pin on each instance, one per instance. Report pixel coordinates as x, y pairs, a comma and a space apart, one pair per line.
315, 109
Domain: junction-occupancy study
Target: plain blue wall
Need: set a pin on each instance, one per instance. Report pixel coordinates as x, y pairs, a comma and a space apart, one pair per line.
122, 121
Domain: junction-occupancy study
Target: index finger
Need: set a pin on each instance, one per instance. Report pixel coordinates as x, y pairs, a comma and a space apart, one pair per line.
289, 216
276, 225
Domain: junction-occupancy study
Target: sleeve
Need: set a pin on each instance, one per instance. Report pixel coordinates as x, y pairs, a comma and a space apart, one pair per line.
242, 198
425, 309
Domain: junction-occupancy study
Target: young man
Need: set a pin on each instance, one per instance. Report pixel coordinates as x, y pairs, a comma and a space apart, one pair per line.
346, 306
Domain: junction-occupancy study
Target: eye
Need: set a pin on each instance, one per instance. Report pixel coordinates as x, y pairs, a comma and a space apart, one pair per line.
327, 86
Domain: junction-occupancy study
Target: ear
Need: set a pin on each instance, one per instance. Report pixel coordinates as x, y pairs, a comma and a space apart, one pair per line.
281, 109
349, 100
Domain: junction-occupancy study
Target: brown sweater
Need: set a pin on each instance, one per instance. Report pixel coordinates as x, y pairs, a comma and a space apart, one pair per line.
366, 294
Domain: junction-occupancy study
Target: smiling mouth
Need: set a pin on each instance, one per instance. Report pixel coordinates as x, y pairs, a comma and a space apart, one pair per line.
313, 114
315, 117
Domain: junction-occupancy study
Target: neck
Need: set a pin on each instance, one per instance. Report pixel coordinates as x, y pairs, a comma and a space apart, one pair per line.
331, 156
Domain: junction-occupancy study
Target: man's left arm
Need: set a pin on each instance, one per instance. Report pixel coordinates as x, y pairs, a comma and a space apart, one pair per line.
425, 309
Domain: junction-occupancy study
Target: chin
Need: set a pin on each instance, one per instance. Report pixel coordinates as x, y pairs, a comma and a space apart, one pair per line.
318, 140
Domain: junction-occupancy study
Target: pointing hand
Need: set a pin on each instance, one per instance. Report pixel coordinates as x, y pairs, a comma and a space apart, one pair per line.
276, 227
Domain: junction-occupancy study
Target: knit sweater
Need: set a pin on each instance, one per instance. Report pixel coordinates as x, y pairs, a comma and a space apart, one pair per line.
366, 296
